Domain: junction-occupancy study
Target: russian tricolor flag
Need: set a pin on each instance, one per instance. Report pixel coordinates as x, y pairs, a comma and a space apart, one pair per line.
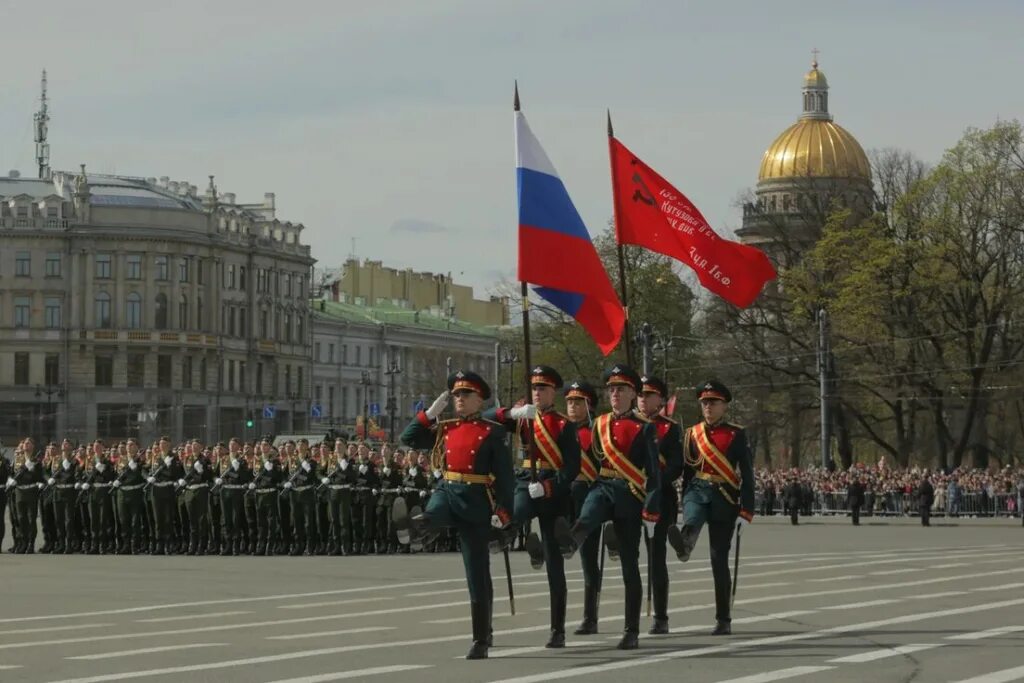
555, 251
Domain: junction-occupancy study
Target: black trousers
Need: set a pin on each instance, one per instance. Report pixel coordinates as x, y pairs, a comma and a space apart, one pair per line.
855, 513
720, 540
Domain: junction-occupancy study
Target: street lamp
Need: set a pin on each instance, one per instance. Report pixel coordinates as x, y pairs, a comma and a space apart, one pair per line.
366, 381
50, 391
510, 357
391, 372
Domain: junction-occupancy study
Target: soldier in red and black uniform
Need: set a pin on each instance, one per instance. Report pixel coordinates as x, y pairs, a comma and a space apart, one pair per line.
627, 492
545, 478
653, 395
475, 492
719, 491
580, 406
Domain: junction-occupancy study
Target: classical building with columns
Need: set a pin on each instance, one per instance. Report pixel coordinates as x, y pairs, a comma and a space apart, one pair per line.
140, 307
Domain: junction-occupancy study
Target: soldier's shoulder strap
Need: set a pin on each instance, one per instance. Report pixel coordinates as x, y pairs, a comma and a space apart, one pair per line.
734, 425
666, 418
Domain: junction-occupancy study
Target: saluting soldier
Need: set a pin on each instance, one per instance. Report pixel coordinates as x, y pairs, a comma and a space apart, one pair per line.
162, 480
652, 398
581, 402
233, 483
62, 481
29, 479
339, 500
544, 486
719, 493
46, 512
477, 468
131, 501
196, 497
303, 501
627, 493
98, 488
265, 487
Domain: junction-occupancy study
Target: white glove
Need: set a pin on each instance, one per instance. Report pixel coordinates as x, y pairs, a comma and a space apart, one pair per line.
252, 486
437, 474
198, 467
218, 481
51, 481
438, 406
536, 490
181, 482
287, 484
496, 522
268, 465
115, 483
325, 480
305, 465
39, 484
343, 465
649, 525
10, 482
524, 412
151, 480
363, 469
100, 467
85, 486
742, 522
413, 471
375, 492
387, 471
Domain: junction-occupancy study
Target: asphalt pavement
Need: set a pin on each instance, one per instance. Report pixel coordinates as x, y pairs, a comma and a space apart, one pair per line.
822, 601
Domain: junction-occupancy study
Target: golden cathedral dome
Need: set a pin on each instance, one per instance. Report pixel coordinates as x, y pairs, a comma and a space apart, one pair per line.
814, 146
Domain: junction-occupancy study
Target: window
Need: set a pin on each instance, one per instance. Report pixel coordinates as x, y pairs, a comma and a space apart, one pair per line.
103, 266
52, 369
183, 270
22, 211
231, 375
23, 264
330, 402
241, 277
202, 374
22, 311
300, 329
242, 329
161, 311
183, 313
370, 361
103, 315
318, 393
229, 277
299, 376
259, 378
287, 379
53, 264
160, 263
344, 354
287, 330
359, 355
287, 284
21, 369
136, 369
263, 324
163, 370
51, 312
186, 372
133, 267
241, 375
330, 353
230, 311
316, 352
133, 311
200, 324
104, 371
299, 287
200, 278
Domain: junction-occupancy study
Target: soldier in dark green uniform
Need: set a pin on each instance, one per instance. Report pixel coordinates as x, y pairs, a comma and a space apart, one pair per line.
719, 491
581, 402
392, 475
233, 483
162, 481
131, 501
6, 482
367, 483
62, 481
46, 512
284, 498
543, 488
265, 487
338, 485
29, 479
476, 467
627, 493
303, 501
653, 395
196, 496
98, 489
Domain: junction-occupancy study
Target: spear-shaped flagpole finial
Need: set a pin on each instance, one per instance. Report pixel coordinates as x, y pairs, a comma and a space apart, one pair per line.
611, 134
515, 101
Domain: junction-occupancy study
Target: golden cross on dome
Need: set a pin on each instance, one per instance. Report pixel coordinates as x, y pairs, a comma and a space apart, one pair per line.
814, 61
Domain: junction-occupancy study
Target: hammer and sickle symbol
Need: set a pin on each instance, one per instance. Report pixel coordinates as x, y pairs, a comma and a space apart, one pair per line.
642, 193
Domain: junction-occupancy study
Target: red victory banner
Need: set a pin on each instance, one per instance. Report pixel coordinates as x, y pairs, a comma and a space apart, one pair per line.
650, 213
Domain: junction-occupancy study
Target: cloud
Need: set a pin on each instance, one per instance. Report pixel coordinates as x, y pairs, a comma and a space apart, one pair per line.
417, 226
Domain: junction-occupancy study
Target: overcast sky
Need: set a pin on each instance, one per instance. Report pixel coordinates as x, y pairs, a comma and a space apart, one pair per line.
390, 122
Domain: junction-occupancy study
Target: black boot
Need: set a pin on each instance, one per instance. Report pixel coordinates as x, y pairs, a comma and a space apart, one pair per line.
611, 541
481, 629
535, 549
630, 641
568, 538
631, 632
682, 540
557, 639
588, 626
659, 627
722, 628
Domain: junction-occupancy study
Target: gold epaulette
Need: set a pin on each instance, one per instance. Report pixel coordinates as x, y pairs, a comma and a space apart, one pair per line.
668, 419
641, 417
734, 425
491, 422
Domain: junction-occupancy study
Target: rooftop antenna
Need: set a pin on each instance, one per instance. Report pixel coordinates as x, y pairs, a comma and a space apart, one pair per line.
42, 120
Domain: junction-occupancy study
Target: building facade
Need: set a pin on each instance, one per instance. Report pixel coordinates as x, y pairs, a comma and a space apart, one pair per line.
138, 307
382, 362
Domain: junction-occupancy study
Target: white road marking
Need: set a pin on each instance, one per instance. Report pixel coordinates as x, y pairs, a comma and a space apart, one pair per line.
1004, 676
779, 675
990, 633
836, 578
334, 603
858, 605
76, 627
185, 617
950, 565
343, 632
147, 650
929, 596
513, 651
342, 675
8, 667
1005, 586
633, 662
907, 570
871, 656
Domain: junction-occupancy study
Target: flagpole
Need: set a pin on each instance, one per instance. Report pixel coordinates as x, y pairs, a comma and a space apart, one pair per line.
618, 243
527, 363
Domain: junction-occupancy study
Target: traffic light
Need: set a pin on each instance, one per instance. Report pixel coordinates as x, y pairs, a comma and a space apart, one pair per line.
249, 423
